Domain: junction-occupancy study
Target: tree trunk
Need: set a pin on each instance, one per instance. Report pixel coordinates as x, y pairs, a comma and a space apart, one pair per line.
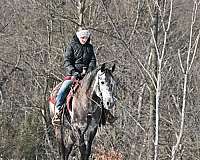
153, 68
81, 8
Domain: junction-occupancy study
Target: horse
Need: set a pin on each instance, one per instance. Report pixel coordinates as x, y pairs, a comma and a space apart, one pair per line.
95, 92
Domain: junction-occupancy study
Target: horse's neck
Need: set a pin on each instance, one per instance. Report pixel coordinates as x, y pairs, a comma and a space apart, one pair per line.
90, 84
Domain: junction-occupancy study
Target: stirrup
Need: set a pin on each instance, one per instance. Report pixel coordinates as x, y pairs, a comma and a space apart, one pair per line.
56, 121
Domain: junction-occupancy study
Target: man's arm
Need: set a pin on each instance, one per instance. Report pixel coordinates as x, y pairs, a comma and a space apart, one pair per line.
69, 61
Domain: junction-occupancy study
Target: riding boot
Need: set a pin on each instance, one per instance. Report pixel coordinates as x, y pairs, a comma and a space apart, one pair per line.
57, 118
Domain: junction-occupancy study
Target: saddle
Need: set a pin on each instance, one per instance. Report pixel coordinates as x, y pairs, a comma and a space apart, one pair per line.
52, 98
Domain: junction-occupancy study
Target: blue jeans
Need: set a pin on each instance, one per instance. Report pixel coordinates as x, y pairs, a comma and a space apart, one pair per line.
62, 93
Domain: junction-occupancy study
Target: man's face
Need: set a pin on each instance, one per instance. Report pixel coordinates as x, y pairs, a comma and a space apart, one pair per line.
83, 40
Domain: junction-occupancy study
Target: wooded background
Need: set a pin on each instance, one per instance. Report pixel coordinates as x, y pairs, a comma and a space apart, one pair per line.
154, 44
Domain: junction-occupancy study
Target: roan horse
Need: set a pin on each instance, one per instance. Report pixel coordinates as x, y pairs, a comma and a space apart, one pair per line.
96, 91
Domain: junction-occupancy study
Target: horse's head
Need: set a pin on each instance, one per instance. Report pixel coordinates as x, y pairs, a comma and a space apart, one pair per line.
106, 86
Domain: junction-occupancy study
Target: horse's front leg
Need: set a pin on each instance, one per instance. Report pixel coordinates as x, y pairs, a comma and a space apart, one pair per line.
82, 146
89, 139
70, 143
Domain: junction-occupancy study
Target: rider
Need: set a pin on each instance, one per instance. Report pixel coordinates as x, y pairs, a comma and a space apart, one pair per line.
79, 58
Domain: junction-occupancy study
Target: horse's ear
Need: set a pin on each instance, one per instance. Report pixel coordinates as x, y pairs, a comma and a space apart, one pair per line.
103, 67
113, 68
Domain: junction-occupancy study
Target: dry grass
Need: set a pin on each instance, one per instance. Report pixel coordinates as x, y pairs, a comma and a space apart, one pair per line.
105, 154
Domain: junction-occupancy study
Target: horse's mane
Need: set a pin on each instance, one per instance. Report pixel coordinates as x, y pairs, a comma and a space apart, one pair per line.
89, 78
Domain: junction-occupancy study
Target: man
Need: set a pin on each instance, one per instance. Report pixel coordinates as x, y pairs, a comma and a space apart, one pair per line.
79, 58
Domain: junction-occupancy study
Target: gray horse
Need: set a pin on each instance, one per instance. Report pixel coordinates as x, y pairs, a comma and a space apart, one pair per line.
95, 92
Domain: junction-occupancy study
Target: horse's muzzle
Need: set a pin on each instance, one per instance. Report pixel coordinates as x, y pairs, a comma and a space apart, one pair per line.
109, 103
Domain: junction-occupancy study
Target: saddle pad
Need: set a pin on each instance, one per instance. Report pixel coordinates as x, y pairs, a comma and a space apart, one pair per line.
54, 92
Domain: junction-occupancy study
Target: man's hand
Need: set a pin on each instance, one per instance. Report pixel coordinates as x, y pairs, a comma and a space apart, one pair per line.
73, 78
76, 76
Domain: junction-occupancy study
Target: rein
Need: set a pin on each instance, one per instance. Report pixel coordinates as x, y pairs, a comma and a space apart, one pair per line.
99, 105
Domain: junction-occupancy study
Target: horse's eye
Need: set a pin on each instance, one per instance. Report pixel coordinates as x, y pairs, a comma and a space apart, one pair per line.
102, 82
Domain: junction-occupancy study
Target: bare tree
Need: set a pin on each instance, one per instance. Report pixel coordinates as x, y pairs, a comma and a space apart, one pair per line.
186, 69
81, 9
158, 89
